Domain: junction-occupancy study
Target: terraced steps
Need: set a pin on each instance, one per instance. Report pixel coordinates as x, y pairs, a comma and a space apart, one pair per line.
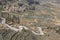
12, 35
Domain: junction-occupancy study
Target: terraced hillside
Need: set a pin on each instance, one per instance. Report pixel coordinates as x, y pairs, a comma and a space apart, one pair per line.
24, 35
44, 14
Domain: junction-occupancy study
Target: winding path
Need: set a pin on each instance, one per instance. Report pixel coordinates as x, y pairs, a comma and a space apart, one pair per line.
21, 28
